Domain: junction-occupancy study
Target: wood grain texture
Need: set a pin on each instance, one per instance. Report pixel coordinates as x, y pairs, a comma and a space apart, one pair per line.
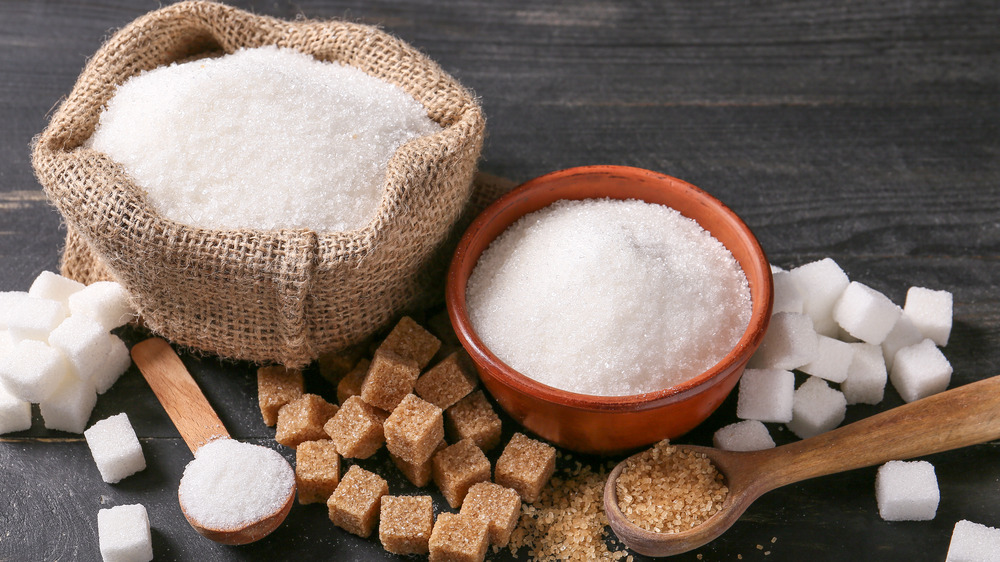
867, 131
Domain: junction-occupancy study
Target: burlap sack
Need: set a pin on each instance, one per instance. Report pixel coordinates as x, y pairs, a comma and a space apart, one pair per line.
281, 296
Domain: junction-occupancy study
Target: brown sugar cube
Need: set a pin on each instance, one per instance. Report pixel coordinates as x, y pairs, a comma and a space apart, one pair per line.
445, 383
350, 384
457, 467
277, 386
418, 474
458, 538
405, 524
526, 466
498, 506
411, 341
302, 420
414, 429
390, 377
473, 418
334, 365
354, 505
356, 429
317, 470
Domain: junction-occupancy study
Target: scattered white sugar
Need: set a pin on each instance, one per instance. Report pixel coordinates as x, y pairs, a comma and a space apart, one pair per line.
920, 370
746, 435
608, 297
931, 313
766, 395
973, 542
817, 408
907, 491
231, 484
821, 283
263, 138
115, 448
15, 414
123, 534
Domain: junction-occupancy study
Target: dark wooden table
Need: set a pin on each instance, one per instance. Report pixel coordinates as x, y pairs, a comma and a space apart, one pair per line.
868, 131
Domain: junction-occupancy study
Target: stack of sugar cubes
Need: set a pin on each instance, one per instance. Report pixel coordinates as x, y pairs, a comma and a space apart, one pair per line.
57, 350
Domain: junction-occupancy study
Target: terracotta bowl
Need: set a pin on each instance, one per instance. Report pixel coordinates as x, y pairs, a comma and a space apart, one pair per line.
610, 424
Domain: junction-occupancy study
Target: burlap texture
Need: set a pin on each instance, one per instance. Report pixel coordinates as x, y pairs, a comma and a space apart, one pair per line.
282, 296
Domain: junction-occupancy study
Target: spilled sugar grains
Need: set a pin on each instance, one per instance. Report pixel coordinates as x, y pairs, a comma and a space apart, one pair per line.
668, 489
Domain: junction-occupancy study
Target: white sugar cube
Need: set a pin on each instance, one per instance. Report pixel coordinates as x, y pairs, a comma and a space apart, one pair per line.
766, 395
866, 313
6, 343
903, 334
124, 534
973, 542
816, 408
787, 297
790, 342
833, 358
33, 370
69, 407
920, 370
115, 363
49, 285
104, 301
83, 342
746, 435
931, 312
115, 448
820, 283
907, 491
29, 318
8, 303
866, 376
15, 414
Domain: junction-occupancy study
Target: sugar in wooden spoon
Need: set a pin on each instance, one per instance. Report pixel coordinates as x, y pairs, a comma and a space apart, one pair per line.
964, 416
232, 492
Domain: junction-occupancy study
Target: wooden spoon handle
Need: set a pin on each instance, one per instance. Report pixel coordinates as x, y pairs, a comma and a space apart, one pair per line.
178, 393
964, 416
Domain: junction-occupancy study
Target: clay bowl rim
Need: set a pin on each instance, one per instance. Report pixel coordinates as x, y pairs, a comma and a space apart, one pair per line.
455, 298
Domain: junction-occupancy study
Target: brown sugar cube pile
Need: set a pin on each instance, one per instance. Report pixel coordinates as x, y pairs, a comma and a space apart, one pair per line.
277, 386
498, 506
354, 505
473, 418
390, 377
457, 467
356, 429
418, 474
302, 420
333, 366
411, 341
445, 383
414, 429
405, 524
317, 470
526, 466
458, 538
350, 384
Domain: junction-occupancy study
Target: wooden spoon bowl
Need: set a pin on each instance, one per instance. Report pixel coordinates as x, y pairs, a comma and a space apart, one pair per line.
964, 416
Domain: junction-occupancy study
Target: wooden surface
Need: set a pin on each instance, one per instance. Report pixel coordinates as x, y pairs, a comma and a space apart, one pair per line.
867, 131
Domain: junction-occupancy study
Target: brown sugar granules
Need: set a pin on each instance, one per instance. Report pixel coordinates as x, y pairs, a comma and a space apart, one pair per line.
669, 489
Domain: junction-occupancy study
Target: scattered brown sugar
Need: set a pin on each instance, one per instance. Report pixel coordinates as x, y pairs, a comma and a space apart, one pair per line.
405, 524
525, 465
498, 506
447, 382
302, 420
317, 470
418, 474
277, 386
414, 429
390, 377
357, 429
473, 418
458, 538
350, 384
354, 505
457, 467
410, 340
668, 489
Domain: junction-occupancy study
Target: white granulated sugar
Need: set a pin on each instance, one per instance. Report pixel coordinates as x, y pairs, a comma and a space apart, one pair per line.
263, 138
231, 484
607, 297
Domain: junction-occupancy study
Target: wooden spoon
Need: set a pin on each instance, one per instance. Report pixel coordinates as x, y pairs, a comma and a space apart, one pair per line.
198, 424
957, 418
